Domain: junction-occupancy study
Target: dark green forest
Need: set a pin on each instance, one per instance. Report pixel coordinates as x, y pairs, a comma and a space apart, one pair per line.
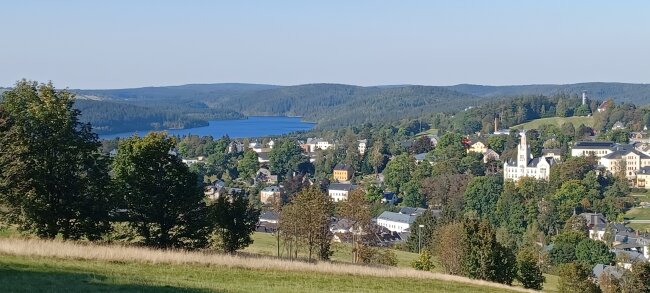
337, 105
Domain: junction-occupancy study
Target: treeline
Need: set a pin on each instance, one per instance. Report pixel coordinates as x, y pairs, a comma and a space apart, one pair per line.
114, 117
54, 182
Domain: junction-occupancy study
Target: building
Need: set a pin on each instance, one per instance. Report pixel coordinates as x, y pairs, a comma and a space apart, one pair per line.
553, 153
314, 144
256, 147
477, 147
526, 165
339, 191
643, 177
592, 148
263, 157
396, 222
269, 194
363, 144
490, 155
618, 125
627, 160
343, 172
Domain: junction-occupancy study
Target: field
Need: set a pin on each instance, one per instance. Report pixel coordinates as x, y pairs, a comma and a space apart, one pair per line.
557, 121
265, 244
54, 266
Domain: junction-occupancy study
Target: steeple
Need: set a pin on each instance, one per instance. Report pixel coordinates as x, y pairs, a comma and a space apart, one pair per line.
523, 150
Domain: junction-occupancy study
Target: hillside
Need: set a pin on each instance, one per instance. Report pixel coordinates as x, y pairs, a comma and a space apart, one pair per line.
621, 92
557, 121
36, 265
330, 105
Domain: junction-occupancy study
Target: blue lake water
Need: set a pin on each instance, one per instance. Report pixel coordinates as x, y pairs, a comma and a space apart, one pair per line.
254, 126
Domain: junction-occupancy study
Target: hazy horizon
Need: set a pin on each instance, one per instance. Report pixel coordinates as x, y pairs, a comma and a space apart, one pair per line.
119, 44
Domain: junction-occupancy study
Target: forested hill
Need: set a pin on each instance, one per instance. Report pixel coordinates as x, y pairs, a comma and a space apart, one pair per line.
331, 105
621, 92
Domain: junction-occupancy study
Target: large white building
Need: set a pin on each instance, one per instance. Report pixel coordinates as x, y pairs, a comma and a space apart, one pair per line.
526, 165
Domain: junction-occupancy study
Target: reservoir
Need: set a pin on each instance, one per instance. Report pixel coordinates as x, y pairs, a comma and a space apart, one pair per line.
254, 126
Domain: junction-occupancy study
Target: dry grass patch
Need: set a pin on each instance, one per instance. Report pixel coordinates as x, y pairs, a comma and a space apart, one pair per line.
114, 253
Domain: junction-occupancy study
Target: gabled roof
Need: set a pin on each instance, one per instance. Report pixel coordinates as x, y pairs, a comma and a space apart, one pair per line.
595, 220
341, 186
342, 167
644, 170
411, 211
269, 216
397, 217
624, 151
600, 269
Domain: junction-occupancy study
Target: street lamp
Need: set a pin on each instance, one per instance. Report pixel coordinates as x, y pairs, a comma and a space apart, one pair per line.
420, 237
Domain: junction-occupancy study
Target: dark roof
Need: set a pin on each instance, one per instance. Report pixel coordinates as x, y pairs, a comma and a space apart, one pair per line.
594, 144
595, 220
269, 216
600, 269
411, 211
625, 151
341, 186
553, 151
342, 167
389, 195
264, 156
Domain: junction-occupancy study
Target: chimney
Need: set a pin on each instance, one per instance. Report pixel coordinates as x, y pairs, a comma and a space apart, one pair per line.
496, 124
584, 97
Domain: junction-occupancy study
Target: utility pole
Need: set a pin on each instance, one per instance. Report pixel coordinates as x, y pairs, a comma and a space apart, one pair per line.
420, 238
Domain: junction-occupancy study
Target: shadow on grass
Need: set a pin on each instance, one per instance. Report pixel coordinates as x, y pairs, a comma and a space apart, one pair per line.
21, 279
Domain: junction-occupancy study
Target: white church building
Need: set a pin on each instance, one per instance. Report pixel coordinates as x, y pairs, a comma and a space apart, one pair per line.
526, 165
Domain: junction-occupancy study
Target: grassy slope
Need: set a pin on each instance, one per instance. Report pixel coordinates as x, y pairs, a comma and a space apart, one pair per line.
557, 121
265, 244
38, 274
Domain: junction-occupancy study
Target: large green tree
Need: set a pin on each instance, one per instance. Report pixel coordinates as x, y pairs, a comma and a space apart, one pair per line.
163, 199
248, 165
482, 195
53, 181
285, 158
235, 220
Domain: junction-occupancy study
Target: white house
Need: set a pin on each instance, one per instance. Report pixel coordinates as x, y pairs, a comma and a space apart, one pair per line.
526, 165
363, 143
318, 144
339, 191
396, 222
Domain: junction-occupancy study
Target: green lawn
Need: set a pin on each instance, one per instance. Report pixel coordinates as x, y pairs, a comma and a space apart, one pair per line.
266, 244
638, 214
557, 121
39, 274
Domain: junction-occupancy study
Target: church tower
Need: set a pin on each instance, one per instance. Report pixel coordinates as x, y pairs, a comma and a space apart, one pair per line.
523, 151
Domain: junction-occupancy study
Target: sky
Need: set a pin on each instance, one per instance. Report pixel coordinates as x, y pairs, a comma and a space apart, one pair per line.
117, 44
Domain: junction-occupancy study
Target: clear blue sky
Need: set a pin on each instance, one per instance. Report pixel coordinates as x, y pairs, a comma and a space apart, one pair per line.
114, 44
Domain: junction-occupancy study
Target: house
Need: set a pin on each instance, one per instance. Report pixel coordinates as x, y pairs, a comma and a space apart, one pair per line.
553, 153
269, 217
627, 160
420, 157
526, 165
601, 269
191, 162
263, 157
270, 194
255, 146
363, 144
618, 125
271, 144
314, 144
605, 105
490, 155
263, 175
433, 139
592, 148
342, 172
268, 222
389, 198
217, 189
396, 222
477, 147
341, 226
400, 222
339, 191
625, 258
643, 177
235, 147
